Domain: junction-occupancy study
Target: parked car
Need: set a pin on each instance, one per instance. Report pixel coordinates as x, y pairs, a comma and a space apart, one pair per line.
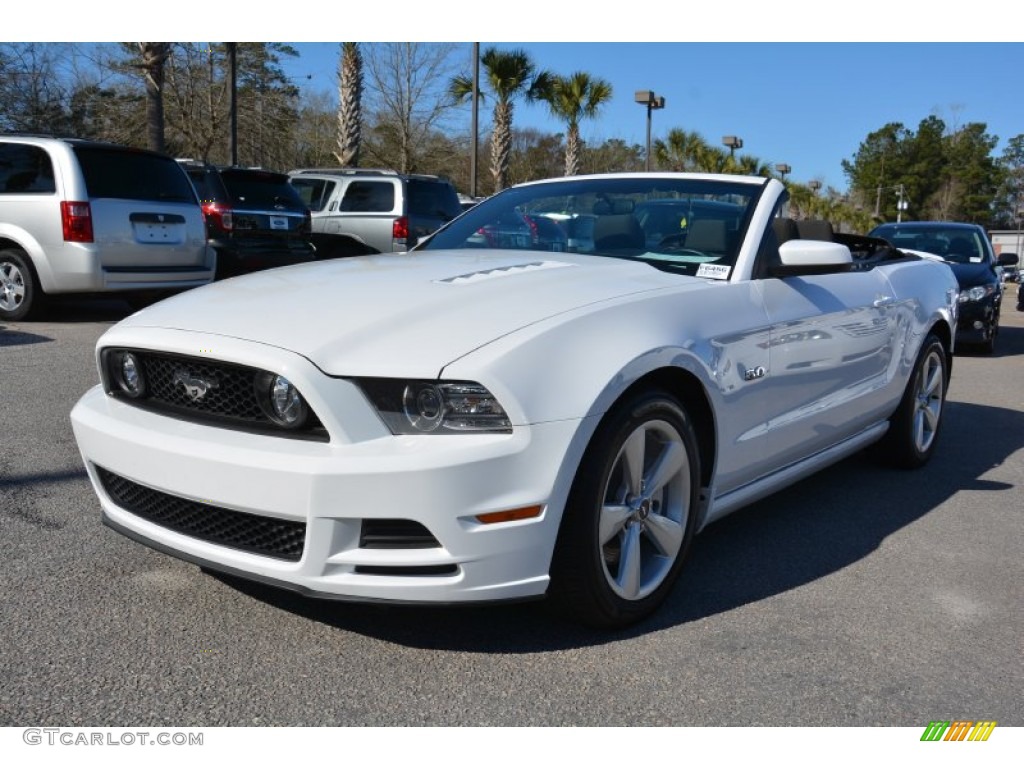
254, 218
517, 230
358, 211
476, 421
88, 217
968, 251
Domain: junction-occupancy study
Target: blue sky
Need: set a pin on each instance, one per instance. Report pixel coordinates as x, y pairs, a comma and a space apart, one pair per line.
797, 80
805, 104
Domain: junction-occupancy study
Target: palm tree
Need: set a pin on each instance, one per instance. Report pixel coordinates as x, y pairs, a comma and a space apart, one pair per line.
350, 104
679, 150
572, 99
751, 165
509, 74
154, 56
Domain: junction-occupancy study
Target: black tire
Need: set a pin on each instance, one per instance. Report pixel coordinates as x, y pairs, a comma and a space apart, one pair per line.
914, 427
625, 534
21, 297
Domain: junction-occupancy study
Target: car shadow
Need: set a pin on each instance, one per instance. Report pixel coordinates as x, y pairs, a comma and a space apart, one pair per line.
12, 338
71, 309
808, 531
1009, 342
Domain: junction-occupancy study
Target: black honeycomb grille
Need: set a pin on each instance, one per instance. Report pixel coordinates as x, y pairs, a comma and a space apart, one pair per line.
230, 393
268, 536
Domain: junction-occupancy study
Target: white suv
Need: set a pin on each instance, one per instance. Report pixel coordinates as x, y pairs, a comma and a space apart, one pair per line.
359, 210
89, 217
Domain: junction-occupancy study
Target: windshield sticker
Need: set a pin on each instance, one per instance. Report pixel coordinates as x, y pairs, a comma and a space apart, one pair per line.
714, 271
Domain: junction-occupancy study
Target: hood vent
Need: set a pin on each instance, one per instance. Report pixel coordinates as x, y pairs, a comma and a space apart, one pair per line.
491, 274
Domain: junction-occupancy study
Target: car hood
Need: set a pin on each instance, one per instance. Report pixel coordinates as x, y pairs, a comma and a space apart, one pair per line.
401, 314
969, 275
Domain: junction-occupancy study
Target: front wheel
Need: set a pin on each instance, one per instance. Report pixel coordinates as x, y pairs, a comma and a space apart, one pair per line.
630, 515
914, 427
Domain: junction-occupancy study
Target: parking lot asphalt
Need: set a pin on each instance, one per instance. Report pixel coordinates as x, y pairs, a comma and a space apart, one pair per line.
861, 596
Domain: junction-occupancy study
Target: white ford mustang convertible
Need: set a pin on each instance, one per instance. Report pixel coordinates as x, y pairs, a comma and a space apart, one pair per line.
550, 396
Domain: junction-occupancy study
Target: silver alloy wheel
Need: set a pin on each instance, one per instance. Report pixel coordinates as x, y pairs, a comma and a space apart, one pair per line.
12, 286
928, 400
644, 510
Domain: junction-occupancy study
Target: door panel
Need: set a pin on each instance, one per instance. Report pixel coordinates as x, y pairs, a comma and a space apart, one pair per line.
831, 346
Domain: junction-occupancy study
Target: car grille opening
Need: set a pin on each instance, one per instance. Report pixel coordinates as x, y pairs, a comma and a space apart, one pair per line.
229, 396
407, 570
268, 536
395, 534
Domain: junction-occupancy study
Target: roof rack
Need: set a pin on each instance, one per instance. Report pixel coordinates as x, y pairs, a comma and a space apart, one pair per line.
348, 171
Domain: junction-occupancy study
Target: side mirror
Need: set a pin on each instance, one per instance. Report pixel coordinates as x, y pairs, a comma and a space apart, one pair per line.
1007, 260
812, 257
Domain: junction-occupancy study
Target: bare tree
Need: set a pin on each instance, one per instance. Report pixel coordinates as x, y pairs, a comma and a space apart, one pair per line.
350, 104
409, 84
33, 91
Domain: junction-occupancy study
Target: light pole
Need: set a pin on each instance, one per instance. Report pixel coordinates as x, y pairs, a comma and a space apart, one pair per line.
901, 206
652, 102
733, 143
783, 169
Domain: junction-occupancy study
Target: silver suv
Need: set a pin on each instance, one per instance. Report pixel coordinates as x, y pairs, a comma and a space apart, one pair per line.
89, 217
359, 210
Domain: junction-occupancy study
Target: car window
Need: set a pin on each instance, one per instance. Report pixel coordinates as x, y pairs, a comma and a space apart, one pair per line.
671, 223
314, 192
25, 169
369, 197
434, 199
960, 245
201, 182
260, 189
128, 174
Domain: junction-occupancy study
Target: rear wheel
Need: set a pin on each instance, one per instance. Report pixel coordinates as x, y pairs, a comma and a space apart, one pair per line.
20, 294
914, 427
631, 514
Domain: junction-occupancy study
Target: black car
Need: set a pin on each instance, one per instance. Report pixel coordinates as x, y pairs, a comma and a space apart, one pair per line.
968, 251
255, 219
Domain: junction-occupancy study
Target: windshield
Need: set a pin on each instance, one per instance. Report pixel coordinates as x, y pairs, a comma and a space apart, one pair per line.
959, 245
675, 224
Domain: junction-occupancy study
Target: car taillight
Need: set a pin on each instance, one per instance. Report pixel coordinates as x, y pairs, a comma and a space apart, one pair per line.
219, 218
76, 220
400, 229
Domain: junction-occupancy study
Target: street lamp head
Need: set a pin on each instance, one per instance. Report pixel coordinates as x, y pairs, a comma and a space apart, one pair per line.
814, 184
783, 169
649, 99
732, 142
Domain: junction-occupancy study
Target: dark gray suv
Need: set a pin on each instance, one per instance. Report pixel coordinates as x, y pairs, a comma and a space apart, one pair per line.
358, 210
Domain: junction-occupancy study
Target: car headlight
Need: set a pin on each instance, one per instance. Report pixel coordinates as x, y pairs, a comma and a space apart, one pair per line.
126, 373
435, 407
977, 293
281, 401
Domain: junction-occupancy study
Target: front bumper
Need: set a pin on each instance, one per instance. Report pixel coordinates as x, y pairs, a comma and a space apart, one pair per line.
439, 482
976, 321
